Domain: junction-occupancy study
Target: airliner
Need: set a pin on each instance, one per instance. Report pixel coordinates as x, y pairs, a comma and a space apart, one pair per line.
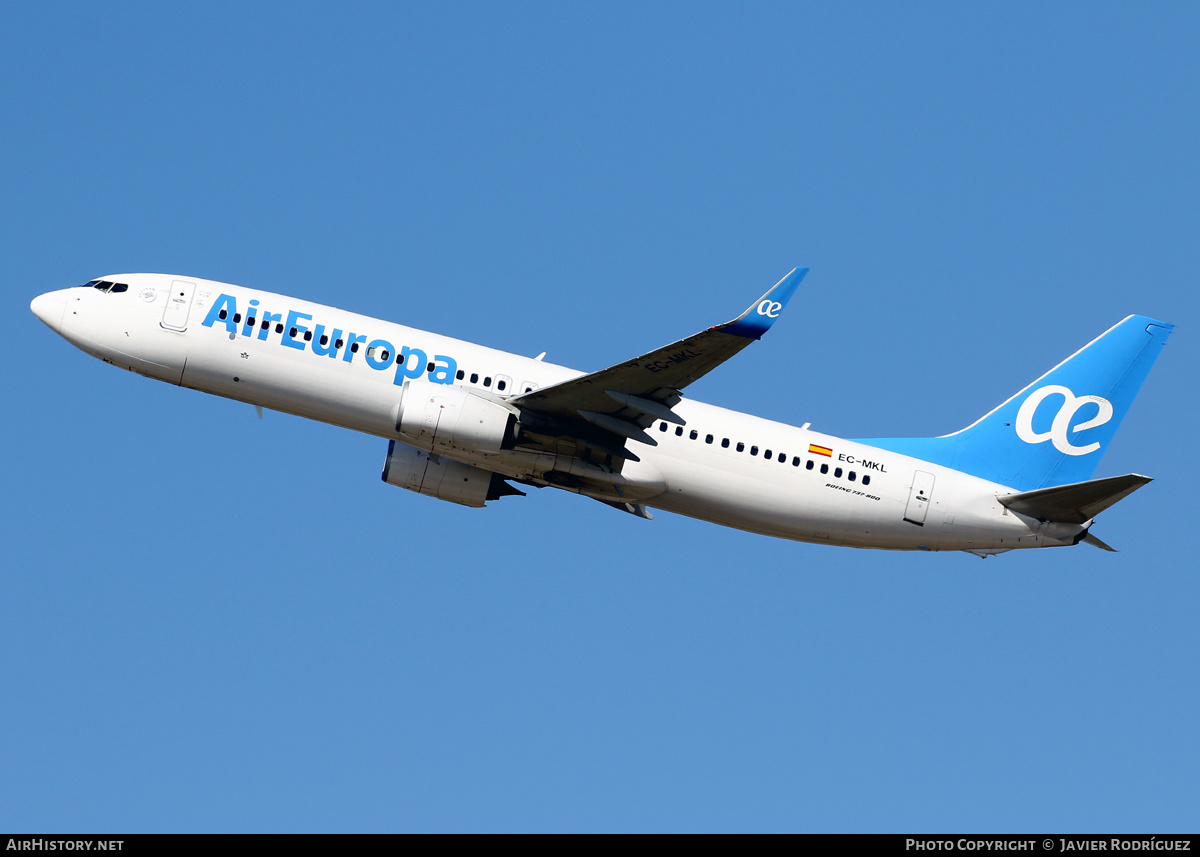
468, 424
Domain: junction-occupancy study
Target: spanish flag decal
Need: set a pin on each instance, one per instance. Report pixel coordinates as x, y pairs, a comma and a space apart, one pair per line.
813, 449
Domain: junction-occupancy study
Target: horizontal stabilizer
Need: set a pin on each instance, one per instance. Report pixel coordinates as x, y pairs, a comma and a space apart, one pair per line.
635, 509
1089, 539
1077, 503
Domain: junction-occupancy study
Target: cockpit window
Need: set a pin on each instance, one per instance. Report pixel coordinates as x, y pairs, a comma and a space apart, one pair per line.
106, 286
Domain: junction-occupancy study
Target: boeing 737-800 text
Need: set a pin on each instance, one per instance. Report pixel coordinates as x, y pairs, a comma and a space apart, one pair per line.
463, 421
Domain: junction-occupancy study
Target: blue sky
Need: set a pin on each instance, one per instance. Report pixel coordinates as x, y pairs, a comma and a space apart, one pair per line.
212, 623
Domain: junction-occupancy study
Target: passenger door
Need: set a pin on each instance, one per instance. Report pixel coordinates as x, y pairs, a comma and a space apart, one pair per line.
919, 497
179, 305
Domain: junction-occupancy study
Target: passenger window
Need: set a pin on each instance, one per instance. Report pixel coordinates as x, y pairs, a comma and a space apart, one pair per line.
251, 320
724, 443
279, 328
693, 434
500, 385
338, 344
460, 374
292, 333
866, 479
795, 461
808, 465
678, 431
824, 468
487, 381
662, 426
708, 438
353, 347
851, 475
266, 324
308, 337
237, 318
754, 450
837, 471
767, 455
324, 339
223, 314
384, 355
741, 447
474, 377
783, 458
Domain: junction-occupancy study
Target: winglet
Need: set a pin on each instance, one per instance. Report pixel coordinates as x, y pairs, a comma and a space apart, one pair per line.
757, 320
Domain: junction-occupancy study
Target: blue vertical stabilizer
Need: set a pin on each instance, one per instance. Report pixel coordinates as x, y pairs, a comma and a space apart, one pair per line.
1054, 431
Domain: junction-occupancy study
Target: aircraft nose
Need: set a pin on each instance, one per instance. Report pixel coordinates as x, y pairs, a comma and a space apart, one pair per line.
49, 308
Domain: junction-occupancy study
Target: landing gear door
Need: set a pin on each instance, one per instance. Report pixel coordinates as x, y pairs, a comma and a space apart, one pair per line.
179, 305
919, 498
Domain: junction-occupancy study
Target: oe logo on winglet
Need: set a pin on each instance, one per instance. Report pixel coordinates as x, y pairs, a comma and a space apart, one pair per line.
770, 308
1062, 420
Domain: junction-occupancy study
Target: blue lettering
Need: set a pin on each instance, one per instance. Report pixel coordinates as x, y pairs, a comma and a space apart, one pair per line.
331, 349
443, 374
404, 370
380, 354
228, 304
292, 319
269, 318
354, 340
248, 327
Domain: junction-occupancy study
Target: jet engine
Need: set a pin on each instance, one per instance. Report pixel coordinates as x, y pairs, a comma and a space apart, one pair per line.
437, 476
433, 416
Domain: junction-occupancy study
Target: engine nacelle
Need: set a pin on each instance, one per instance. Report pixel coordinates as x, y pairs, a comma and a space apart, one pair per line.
437, 476
433, 416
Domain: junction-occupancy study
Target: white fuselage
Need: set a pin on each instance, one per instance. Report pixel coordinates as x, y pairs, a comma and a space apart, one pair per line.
813, 487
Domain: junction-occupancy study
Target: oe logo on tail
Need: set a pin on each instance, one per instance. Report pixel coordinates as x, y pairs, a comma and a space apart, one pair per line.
1062, 420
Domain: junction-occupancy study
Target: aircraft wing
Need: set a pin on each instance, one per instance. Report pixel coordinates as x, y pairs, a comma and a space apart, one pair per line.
626, 398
